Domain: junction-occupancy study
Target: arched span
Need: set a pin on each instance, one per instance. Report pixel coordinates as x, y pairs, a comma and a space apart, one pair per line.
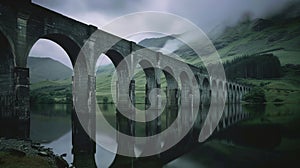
70, 46
221, 92
205, 97
116, 57
234, 93
214, 90
205, 83
184, 79
148, 68
230, 93
170, 78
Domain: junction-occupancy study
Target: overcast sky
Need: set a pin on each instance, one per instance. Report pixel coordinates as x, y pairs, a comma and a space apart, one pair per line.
206, 14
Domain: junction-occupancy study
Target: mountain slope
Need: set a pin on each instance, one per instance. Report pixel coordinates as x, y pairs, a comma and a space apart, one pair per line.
278, 34
42, 69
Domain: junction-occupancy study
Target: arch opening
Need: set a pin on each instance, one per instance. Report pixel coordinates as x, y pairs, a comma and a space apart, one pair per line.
50, 61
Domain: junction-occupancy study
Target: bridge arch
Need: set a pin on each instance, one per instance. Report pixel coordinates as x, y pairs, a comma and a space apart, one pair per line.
69, 45
206, 91
241, 93
221, 92
214, 91
170, 77
234, 94
116, 58
230, 94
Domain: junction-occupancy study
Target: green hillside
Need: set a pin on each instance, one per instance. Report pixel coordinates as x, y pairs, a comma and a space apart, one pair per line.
43, 69
278, 34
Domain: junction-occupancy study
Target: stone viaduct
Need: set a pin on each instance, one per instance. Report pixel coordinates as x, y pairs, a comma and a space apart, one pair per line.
23, 23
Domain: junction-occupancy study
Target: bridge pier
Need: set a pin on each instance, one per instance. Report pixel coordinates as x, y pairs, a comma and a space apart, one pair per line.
172, 108
84, 122
125, 106
153, 103
14, 97
22, 100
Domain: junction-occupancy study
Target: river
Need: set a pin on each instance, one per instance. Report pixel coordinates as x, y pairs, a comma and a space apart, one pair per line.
51, 126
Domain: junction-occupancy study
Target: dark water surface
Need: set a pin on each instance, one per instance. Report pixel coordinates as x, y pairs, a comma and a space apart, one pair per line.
51, 126
271, 139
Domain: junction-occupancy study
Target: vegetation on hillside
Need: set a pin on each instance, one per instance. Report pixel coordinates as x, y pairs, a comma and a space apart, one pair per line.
43, 69
256, 95
263, 66
48, 92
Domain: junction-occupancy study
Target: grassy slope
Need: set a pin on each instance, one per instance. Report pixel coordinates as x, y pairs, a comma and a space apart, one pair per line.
42, 69
242, 40
286, 88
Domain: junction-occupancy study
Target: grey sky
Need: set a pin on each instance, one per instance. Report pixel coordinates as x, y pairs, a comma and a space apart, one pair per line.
206, 14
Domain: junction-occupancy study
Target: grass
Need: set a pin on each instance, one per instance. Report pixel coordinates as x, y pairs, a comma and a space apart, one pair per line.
10, 161
285, 88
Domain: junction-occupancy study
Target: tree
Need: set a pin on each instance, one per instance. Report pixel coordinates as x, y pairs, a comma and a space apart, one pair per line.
256, 95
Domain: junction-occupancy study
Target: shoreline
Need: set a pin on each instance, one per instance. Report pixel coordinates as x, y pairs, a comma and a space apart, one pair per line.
25, 153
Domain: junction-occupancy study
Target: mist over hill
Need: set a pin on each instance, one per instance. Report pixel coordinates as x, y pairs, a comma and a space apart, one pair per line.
278, 34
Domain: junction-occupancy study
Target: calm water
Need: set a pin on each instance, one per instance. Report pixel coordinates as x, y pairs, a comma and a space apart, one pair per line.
51, 125
270, 139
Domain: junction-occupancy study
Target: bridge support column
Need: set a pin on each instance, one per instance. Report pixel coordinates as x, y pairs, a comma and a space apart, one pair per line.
22, 100
125, 125
14, 110
84, 129
152, 106
172, 106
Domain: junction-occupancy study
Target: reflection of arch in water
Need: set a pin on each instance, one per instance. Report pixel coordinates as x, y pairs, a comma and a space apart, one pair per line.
172, 96
185, 99
151, 100
199, 119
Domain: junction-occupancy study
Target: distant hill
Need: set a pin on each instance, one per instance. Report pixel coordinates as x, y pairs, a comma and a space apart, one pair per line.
42, 69
278, 34
156, 42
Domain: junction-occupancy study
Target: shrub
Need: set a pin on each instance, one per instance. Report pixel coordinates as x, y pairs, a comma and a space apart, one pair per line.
256, 95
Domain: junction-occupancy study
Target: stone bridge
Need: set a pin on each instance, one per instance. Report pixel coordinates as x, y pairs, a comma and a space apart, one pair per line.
23, 23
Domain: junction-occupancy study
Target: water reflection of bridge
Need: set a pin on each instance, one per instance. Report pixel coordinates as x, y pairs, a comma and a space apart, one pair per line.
23, 23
